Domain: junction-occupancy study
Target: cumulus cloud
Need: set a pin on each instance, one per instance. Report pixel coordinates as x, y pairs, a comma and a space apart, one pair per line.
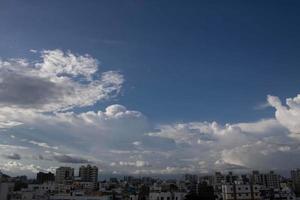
59, 81
116, 133
17, 167
39, 101
256, 145
288, 115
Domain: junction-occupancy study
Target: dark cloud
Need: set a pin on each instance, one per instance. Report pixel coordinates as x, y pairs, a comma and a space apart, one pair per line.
69, 159
13, 156
26, 91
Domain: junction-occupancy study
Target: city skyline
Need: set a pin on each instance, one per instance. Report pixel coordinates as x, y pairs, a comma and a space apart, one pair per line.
144, 87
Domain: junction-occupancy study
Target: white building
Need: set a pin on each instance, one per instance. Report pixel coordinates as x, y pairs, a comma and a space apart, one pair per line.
134, 197
167, 195
241, 192
40, 191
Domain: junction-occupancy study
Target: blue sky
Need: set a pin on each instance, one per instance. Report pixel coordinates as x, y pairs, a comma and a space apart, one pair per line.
176, 62
217, 55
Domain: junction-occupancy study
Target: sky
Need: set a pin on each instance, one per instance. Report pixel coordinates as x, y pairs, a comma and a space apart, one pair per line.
149, 87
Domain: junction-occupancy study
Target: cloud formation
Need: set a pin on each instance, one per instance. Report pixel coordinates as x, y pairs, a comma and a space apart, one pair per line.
59, 81
288, 115
39, 103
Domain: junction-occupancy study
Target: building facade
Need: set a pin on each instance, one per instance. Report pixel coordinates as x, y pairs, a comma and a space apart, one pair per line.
42, 177
167, 196
88, 173
64, 175
241, 192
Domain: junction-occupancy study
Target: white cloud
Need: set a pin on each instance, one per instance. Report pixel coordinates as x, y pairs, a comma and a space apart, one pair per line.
59, 81
37, 101
288, 115
138, 163
43, 144
137, 143
262, 144
16, 167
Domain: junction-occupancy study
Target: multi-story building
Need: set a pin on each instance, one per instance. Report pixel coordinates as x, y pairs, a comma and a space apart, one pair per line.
257, 178
167, 196
269, 180
87, 186
295, 175
219, 178
192, 178
42, 177
64, 174
238, 191
230, 178
272, 180
209, 180
278, 194
88, 173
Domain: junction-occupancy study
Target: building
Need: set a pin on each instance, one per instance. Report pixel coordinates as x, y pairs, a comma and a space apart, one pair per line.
219, 178
78, 196
64, 175
81, 185
191, 178
202, 191
241, 192
5, 190
167, 196
230, 178
272, 180
257, 178
42, 177
88, 173
295, 175
278, 194
269, 180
